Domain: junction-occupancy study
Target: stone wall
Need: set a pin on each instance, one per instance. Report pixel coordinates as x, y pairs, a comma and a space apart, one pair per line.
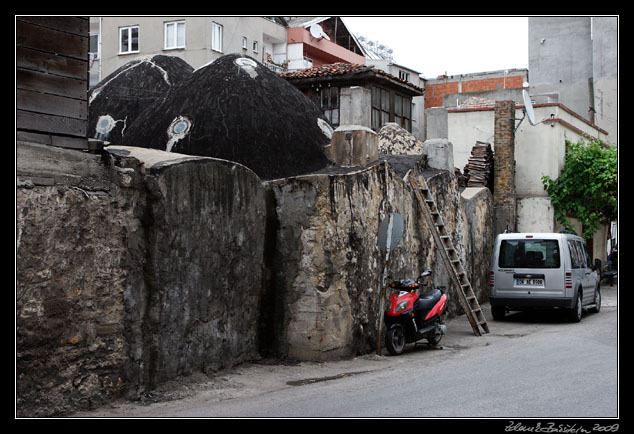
137, 266
132, 268
73, 226
328, 268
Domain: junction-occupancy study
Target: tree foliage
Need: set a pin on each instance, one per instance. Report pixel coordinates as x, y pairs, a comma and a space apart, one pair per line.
587, 187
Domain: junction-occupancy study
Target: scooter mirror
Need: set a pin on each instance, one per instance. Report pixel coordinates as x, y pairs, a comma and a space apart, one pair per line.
423, 274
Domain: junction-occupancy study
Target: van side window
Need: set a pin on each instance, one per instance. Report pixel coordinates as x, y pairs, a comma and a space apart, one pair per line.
576, 254
586, 255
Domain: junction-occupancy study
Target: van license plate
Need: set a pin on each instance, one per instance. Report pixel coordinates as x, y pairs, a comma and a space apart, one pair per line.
529, 282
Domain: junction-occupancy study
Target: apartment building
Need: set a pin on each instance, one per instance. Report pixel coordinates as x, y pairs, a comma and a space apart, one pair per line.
116, 40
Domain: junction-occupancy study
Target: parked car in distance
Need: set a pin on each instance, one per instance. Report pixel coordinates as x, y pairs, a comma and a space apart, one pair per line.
542, 270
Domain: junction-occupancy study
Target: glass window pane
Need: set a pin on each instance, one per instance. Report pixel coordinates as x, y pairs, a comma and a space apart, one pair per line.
124, 40
180, 34
407, 108
375, 97
398, 105
335, 117
324, 98
135, 38
385, 100
169, 35
334, 97
375, 119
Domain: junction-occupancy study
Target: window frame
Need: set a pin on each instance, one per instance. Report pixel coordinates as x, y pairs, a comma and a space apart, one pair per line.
330, 109
128, 30
383, 108
176, 46
215, 44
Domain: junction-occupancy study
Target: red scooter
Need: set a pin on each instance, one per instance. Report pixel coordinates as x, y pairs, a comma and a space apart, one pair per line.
410, 317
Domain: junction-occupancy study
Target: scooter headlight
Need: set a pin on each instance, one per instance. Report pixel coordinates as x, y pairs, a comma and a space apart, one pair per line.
401, 306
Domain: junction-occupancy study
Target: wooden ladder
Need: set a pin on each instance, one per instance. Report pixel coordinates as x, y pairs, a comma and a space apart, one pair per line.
467, 297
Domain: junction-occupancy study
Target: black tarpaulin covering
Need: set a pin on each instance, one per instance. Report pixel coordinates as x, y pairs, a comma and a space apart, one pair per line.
116, 101
237, 109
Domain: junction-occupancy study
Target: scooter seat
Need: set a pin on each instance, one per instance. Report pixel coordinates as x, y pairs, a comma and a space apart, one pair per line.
428, 299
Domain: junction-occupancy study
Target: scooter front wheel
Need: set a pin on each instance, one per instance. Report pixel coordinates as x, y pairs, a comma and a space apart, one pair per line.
395, 340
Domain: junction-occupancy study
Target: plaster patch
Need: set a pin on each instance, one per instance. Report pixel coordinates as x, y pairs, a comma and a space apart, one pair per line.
325, 127
247, 65
178, 129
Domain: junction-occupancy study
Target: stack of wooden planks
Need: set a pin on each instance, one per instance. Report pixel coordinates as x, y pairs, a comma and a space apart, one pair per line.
479, 169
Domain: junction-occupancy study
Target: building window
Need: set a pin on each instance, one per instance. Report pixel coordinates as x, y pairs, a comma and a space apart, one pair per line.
175, 35
244, 42
216, 37
390, 107
255, 46
380, 107
129, 39
329, 103
403, 75
403, 111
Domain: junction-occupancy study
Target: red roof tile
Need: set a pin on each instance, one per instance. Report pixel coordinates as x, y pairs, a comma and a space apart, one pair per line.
335, 69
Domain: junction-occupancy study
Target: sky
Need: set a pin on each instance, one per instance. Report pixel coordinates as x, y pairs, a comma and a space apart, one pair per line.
433, 46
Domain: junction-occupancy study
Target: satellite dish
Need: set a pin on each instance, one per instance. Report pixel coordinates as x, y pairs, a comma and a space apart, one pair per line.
317, 32
528, 107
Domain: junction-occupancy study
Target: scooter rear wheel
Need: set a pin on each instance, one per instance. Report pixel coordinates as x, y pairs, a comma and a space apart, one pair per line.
436, 337
395, 340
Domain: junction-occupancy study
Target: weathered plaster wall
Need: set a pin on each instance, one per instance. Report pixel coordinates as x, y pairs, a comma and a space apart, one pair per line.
328, 267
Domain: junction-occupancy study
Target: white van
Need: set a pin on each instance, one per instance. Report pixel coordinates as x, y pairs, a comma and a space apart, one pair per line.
542, 270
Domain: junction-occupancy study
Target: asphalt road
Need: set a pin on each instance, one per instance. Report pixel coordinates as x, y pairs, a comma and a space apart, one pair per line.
531, 365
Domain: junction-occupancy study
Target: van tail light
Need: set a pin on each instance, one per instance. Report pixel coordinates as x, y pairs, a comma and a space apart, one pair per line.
568, 280
491, 279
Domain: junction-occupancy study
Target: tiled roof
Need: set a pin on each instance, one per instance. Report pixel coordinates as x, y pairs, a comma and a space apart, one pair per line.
337, 69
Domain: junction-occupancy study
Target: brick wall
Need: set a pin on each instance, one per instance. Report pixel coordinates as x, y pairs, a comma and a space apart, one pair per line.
504, 167
435, 91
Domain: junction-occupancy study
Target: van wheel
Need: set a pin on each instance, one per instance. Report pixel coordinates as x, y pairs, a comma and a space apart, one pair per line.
498, 312
597, 301
574, 314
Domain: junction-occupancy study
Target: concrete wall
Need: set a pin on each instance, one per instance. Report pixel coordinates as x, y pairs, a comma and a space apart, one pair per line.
605, 74
539, 150
197, 50
560, 59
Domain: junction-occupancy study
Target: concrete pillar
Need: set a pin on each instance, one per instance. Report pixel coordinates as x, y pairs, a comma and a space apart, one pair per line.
353, 145
355, 104
439, 154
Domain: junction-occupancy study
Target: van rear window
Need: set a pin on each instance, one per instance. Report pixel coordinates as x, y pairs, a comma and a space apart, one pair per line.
529, 254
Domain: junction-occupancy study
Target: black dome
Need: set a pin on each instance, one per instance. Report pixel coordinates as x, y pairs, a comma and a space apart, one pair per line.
119, 99
236, 109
